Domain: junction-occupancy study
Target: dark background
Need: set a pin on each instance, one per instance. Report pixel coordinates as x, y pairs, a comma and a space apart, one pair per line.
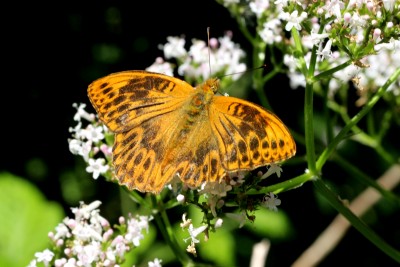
50, 55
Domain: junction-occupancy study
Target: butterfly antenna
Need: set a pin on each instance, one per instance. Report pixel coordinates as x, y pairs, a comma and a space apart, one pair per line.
240, 72
209, 49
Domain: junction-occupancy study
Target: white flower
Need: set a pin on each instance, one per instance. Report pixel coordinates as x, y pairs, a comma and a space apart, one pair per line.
280, 4
259, 6
333, 7
236, 178
62, 231
392, 45
135, 227
180, 198
218, 223
71, 263
214, 203
297, 79
75, 146
225, 58
82, 113
86, 232
46, 256
155, 263
32, 263
273, 168
238, 217
357, 21
160, 66
272, 31
317, 38
97, 167
60, 262
271, 201
377, 35
294, 19
389, 4
174, 48
326, 52
185, 223
120, 247
194, 232
230, 2
87, 254
91, 133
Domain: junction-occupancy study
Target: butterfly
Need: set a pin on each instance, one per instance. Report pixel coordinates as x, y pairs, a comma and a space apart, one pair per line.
164, 128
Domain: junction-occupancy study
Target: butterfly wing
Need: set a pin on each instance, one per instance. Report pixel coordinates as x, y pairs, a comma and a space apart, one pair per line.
248, 135
126, 99
138, 153
141, 108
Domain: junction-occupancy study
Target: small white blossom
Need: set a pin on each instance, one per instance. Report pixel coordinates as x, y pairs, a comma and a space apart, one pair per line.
218, 223
88, 239
180, 198
174, 48
389, 4
91, 133
185, 223
32, 263
45, 256
97, 167
392, 45
135, 227
155, 263
317, 38
271, 201
272, 31
194, 232
82, 113
238, 217
333, 8
296, 80
273, 168
293, 19
259, 7
326, 52
75, 146
230, 2
280, 4
160, 66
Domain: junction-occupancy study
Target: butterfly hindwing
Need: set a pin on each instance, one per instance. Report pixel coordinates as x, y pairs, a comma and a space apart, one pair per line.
248, 135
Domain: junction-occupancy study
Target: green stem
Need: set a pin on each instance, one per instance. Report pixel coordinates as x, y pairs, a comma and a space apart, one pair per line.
165, 228
328, 74
355, 221
283, 186
381, 91
308, 101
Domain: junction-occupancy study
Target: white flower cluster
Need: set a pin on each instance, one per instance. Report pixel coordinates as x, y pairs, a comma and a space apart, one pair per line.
222, 55
88, 240
88, 140
360, 25
215, 193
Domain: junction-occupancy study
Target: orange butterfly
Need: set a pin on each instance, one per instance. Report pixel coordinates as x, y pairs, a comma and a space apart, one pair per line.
164, 127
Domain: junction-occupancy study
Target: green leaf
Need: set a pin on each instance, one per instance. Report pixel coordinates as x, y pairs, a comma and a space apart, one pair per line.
271, 224
26, 217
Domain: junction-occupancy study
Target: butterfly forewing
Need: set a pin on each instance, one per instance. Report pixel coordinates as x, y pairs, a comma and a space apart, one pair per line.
126, 99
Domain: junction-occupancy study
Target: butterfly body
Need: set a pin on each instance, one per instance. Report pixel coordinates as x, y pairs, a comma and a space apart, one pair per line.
164, 128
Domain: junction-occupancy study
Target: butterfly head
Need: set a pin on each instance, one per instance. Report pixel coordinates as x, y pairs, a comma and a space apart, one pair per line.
211, 85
